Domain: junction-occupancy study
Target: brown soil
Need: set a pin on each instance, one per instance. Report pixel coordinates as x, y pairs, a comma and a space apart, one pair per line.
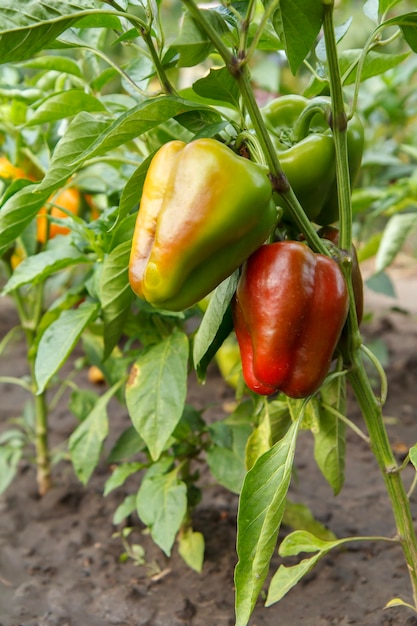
60, 565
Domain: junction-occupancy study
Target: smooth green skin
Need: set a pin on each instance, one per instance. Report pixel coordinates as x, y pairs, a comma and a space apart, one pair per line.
203, 211
309, 163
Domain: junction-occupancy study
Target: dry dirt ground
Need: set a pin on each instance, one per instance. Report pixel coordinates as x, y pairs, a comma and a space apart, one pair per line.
60, 566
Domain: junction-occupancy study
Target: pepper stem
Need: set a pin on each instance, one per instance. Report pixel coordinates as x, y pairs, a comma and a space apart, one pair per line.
302, 125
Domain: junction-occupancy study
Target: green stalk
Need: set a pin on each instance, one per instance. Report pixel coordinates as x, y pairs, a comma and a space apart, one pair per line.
370, 406
381, 448
43, 461
29, 325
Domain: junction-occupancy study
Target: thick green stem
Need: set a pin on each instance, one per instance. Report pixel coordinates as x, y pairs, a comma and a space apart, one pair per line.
370, 407
43, 461
339, 128
29, 325
279, 180
380, 445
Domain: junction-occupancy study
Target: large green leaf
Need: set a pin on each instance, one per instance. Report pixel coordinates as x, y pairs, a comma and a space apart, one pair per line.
28, 26
138, 120
156, 390
59, 339
261, 508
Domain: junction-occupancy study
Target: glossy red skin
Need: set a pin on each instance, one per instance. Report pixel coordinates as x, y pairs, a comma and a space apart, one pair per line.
289, 311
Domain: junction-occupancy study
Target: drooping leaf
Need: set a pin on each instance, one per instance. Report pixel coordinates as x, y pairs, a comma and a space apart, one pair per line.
261, 508
156, 390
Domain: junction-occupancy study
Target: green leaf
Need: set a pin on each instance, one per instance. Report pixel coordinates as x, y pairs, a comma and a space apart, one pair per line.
287, 577
10, 456
299, 517
81, 133
37, 268
63, 65
298, 23
161, 505
132, 191
125, 509
28, 26
330, 439
65, 104
215, 325
376, 63
221, 83
17, 213
381, 283
413, 455
156, 390
86, 441
127, 445
260, 440
115, 294
120, 475
395, 233
226, 459
370, 9
59, 339
408, 25
193, 44
136, 121
261, 508
191, 549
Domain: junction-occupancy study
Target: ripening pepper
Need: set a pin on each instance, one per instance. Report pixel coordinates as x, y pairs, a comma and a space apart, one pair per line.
289, 311
305, 149
203, 211
332, 234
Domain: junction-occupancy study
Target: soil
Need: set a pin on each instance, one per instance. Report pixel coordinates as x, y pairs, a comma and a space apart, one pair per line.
60, 561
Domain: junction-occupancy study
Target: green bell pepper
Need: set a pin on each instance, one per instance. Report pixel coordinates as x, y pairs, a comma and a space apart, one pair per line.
305, 148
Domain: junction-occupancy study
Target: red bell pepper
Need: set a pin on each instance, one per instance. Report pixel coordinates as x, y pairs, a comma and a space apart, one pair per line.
289, 311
